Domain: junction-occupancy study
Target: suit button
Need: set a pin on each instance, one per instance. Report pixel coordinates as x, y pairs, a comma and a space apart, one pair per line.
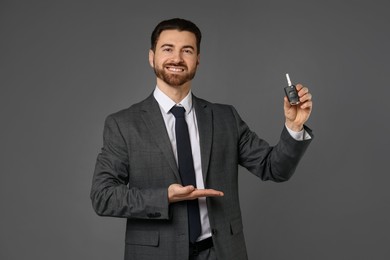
213, 231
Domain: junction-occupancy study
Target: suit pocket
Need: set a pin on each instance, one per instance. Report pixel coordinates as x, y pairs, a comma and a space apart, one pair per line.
236, 226
142, 238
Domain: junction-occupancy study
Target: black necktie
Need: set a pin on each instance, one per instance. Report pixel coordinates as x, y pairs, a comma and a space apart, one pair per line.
186, 169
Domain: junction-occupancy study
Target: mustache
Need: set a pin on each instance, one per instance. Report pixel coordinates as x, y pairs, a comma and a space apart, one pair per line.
176, 64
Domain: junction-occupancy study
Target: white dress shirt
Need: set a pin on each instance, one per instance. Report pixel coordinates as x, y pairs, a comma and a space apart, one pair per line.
166, 104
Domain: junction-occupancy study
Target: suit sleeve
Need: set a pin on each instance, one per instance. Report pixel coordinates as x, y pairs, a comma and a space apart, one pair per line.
110, 193
276, 163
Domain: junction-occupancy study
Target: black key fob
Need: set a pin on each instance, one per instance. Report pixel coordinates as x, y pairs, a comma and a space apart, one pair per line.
291, 92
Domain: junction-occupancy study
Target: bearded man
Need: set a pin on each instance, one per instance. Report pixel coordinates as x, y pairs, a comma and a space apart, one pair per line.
169, 164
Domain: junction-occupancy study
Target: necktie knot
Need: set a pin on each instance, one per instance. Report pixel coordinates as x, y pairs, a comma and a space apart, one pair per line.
178, 112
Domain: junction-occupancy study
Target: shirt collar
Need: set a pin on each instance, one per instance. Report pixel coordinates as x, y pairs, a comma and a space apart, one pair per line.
166, 103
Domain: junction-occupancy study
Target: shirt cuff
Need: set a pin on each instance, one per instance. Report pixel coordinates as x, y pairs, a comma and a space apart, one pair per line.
299, 136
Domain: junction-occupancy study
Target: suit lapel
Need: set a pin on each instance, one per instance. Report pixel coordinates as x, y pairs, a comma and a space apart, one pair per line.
152, 117
204, 118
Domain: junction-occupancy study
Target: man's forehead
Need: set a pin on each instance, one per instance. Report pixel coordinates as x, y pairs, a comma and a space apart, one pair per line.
176, 37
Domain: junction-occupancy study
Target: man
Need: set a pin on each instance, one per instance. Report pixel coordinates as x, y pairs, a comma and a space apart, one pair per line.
141, 175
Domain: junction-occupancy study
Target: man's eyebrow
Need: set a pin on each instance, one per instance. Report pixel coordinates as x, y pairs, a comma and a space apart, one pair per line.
171, 45
166, 45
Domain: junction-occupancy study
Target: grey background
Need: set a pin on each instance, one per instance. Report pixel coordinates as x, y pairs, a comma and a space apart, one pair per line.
66, 65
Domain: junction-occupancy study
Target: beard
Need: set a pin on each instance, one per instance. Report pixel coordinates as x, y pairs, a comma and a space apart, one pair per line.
174, 80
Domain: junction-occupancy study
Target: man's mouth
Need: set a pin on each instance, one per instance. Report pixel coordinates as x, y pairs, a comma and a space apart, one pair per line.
175, 68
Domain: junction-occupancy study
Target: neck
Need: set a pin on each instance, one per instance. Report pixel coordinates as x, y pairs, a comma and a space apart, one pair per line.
176, 93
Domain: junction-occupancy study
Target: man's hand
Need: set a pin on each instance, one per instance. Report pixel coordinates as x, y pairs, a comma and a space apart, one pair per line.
177, 192
297, 115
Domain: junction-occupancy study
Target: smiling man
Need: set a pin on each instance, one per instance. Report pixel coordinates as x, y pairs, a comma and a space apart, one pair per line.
174, 59
169, 164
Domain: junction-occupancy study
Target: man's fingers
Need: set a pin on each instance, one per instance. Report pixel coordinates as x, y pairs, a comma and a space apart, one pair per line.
303, 93
299, 87
177, 192
306, 97
183, 191
307, 104
198, 193
187, 189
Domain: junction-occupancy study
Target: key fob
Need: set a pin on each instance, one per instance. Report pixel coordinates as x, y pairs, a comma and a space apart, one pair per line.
291, 92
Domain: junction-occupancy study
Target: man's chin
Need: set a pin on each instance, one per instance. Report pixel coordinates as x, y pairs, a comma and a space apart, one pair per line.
176, 84
175, 81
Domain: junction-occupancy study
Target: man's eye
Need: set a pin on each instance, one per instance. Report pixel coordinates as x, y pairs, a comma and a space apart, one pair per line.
188, 51
167, 50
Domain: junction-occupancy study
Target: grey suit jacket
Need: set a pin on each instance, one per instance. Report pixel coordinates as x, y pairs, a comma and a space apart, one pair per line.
136, 166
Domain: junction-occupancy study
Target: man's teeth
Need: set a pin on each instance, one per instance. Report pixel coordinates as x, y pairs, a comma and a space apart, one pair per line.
175, 69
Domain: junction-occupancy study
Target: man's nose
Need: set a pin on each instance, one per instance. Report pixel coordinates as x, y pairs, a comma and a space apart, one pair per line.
177, 56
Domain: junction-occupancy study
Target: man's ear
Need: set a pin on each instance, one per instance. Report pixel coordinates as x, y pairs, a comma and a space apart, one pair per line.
198, 60
151, 58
